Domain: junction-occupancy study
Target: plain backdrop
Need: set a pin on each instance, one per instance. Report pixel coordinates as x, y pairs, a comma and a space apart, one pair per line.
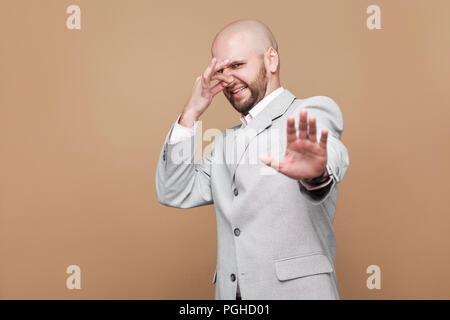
84, 114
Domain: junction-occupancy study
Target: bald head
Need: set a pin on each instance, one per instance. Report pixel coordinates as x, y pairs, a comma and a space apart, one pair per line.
252, 32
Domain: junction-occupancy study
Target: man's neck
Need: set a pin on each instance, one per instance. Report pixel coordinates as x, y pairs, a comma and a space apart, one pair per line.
268, 91
258, 107
272, 89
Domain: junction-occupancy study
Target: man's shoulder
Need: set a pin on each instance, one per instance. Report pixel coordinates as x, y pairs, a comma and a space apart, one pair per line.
317, 103
324, 108
316, 100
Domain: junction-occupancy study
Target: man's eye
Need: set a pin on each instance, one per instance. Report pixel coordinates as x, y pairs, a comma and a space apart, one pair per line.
220, 71
236, 64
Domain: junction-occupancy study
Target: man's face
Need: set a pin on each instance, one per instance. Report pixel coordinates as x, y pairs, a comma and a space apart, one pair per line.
248, 70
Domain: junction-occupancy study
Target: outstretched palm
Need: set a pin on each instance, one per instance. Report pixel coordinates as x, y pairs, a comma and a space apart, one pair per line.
305, 158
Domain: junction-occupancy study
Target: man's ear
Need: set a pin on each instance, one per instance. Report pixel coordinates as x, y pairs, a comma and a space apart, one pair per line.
271, 60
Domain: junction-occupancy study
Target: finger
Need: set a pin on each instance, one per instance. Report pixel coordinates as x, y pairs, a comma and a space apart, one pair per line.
206, 77
303, 124
217, 88
221, 65
275, 164
290, 131
221, 77
312, 129
265, 159
269, 161
283, 167
198, 79
323, 139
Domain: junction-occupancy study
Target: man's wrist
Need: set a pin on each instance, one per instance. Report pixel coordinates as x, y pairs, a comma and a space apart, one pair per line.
320, 179
187, 120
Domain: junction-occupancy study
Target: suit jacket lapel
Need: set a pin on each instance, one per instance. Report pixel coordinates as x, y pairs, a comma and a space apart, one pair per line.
243, 136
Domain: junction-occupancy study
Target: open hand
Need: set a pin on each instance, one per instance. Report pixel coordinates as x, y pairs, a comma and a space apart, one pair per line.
305, 158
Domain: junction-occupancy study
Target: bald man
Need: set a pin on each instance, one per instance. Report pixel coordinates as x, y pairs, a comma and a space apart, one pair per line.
273, 179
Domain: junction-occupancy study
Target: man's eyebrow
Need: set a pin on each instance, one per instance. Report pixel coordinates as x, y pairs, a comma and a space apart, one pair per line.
237, 61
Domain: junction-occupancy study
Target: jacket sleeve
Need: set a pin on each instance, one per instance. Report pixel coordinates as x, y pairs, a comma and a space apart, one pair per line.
328, 115
180, 182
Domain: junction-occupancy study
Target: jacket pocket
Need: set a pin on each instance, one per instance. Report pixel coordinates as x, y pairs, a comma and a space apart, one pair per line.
302, 266
215, 276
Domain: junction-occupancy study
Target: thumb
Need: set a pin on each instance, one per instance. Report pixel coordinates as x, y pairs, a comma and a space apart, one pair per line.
269, 161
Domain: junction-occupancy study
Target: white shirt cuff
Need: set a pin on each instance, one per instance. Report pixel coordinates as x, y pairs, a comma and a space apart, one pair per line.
180, 133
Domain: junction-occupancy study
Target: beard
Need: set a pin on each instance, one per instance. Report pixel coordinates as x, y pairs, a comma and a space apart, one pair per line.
257, 90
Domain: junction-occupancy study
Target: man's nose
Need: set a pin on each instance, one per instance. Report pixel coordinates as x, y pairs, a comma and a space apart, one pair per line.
228, 73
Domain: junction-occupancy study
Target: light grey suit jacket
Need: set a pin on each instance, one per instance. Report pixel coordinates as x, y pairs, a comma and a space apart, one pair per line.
273, 235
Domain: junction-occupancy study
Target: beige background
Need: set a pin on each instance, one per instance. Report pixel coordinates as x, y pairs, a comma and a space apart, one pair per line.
84, 115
